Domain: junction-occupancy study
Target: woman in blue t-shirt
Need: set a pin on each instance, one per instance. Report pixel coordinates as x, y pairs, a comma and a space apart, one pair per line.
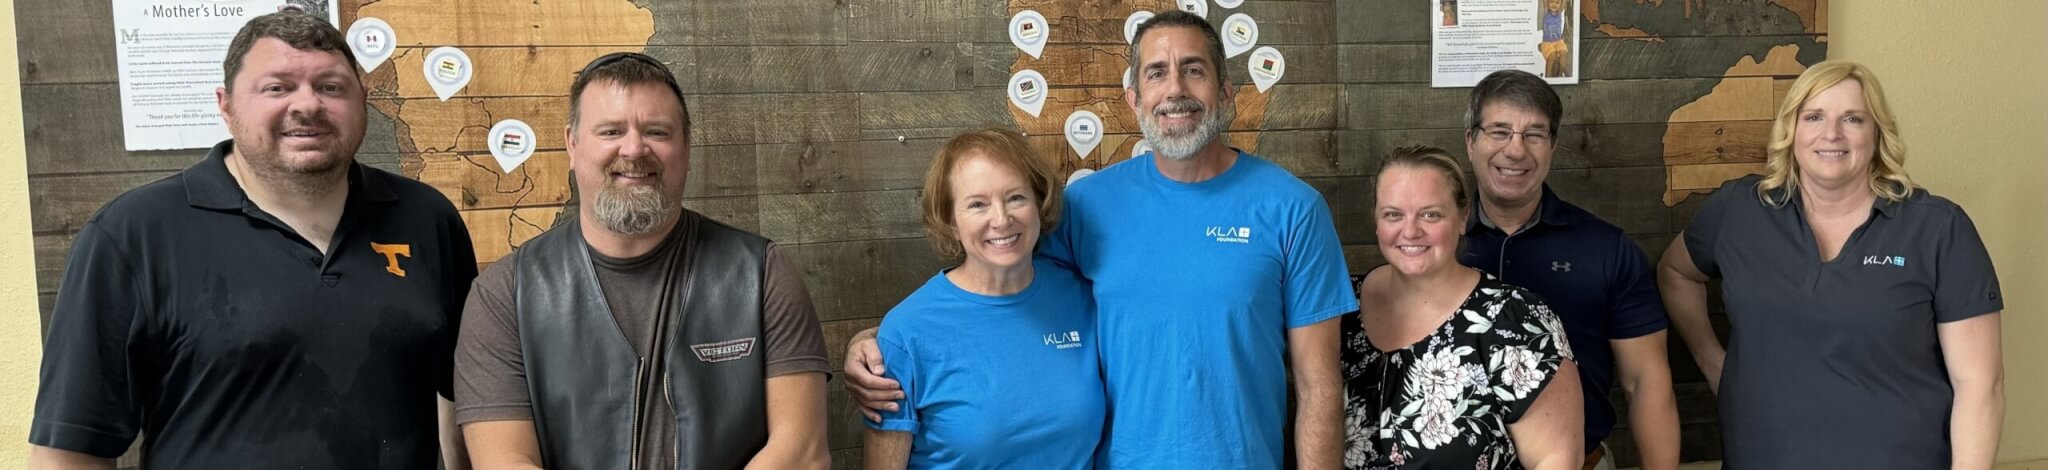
996, 355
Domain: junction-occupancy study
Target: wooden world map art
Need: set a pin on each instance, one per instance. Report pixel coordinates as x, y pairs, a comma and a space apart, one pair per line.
814, 120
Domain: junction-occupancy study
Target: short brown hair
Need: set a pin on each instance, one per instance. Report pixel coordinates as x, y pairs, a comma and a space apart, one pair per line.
1008, 149
301, 31
625, 69
1178, 18
1423, 156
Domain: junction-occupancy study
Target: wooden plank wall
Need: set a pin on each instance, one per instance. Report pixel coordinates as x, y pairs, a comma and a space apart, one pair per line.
814, 120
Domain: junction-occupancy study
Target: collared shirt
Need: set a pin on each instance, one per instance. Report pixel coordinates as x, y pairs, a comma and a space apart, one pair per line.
190, 315
1837, 363
1590, 273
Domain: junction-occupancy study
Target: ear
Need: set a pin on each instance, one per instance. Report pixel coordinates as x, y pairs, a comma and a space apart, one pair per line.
1131, 98
220, 99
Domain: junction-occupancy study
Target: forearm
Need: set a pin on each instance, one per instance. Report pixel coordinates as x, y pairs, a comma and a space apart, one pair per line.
1319, 427
1686, 301
1653, 418
792, 454
1974, 423
885, 450
45, 458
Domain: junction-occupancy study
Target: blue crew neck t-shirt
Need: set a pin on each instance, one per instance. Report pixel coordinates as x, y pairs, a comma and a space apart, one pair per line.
996, 381
1196, 286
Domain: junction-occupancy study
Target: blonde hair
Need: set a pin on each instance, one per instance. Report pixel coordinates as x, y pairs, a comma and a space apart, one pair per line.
1008, 149
1427, 157
1888, 177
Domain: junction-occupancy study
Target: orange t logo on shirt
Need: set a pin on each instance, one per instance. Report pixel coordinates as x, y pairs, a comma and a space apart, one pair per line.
391, 253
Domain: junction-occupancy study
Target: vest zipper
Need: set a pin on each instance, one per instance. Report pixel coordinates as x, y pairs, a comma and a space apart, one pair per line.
639, 415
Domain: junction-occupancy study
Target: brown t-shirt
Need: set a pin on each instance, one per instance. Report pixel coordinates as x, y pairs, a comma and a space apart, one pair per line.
490, 374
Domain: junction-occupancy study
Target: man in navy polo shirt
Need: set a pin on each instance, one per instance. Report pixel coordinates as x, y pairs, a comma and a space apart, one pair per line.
275, 305
1588, 270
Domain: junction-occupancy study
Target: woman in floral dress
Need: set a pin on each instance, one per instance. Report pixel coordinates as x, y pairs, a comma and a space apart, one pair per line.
1446, 367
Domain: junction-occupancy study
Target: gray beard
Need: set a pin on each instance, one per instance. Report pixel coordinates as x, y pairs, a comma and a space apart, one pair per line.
1183, 147
632, 210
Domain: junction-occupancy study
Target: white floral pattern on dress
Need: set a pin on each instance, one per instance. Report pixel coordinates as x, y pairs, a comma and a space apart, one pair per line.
1445, 401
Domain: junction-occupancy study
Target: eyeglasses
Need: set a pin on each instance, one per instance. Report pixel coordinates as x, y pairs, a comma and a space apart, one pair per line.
661, 70
1503, 135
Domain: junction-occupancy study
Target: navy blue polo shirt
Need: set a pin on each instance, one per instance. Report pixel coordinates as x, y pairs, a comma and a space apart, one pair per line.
1838, 363
192, 317
1590, 273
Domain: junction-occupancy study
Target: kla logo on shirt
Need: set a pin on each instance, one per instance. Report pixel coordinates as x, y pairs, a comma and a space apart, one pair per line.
1067, 340
1897, 261
1227, 234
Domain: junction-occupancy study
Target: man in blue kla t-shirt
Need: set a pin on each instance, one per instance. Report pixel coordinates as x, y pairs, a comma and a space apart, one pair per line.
1214, 272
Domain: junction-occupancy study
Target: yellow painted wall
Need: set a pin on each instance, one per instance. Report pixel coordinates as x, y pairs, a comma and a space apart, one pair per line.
20, 323
1965, 81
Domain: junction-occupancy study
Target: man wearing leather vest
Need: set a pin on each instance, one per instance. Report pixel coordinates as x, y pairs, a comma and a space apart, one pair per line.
638, 334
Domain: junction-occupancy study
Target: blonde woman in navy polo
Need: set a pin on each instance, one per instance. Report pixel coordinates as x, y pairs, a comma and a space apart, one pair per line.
1863, 312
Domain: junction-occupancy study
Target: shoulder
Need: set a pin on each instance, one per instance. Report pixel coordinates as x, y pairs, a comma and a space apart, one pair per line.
151, 205
1739, 189
917, 310
1267, 177
1512, 299
411, 193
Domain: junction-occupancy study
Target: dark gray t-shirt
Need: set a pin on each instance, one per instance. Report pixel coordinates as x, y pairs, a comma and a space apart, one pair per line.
1836, 364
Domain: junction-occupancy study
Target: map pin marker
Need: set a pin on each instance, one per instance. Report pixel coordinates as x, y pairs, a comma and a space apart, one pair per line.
372, 40
1027, 91
448, 70
1078, 174
1029, 31
1229, 3
1084, 132
1198, 7
1240, 33
1267, 66
1131, 24
1141, 148
511, 142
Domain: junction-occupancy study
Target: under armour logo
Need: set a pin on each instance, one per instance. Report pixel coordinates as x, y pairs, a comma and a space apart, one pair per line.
391, 253
1561, 266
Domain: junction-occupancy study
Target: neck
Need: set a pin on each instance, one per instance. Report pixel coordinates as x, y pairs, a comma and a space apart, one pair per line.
292, 196
1509, 216
1207, 163
618, 245
1836, 197
991, 281
1432, 284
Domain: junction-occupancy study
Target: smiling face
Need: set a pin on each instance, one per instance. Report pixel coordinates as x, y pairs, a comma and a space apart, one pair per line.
294, 111
1181, 104
1417, 219
1834, 140
995, 214
1510, 153
631, 147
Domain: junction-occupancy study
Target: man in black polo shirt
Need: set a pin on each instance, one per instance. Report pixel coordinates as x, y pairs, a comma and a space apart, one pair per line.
274, 306
1596, 279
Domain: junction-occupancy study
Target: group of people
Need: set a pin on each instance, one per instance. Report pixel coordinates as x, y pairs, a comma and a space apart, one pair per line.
278, 305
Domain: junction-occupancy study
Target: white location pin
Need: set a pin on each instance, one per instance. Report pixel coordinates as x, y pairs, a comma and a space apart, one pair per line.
1131, 24
1030, 32
1240, 33
1028, 91
1078, 174
448, 70
1267, 66
1198, 7
372, 40
511, 142
1084, 132
1141, 148
1229, 3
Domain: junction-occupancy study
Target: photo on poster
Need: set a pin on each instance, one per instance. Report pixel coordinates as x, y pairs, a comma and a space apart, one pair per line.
1472, 38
